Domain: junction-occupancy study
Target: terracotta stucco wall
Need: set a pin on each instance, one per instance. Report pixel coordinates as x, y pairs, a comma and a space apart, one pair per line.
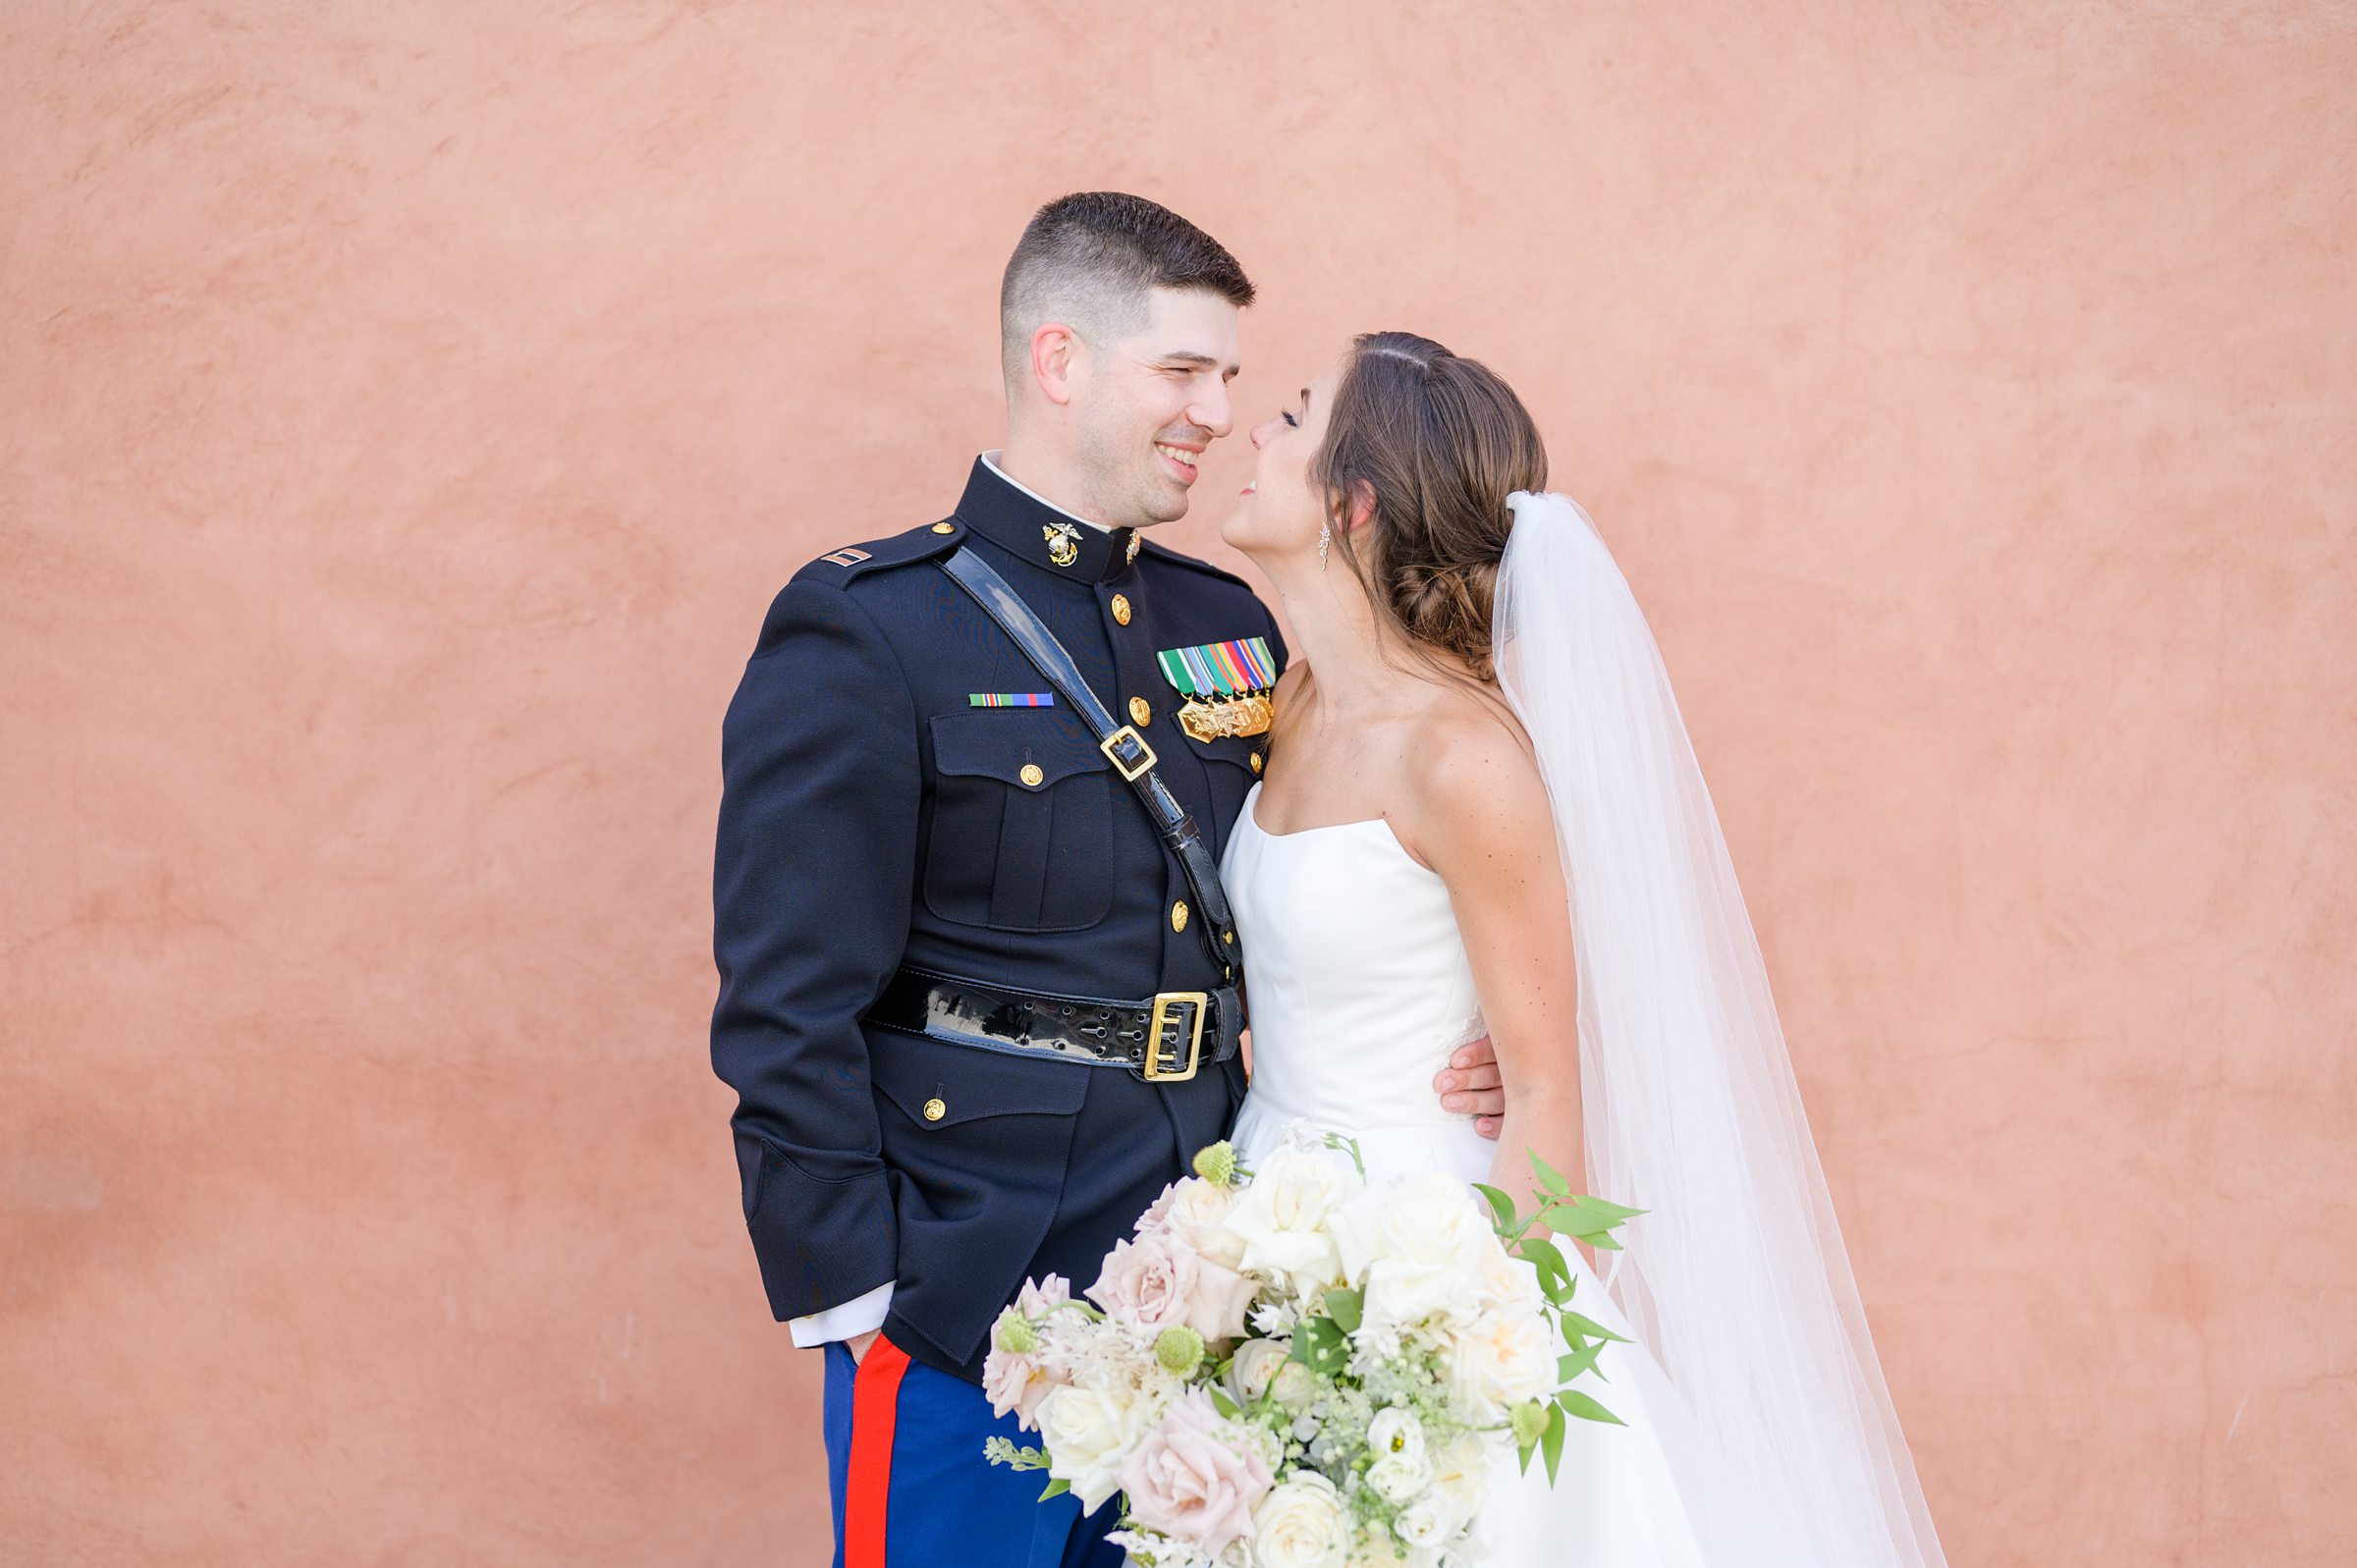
407, 411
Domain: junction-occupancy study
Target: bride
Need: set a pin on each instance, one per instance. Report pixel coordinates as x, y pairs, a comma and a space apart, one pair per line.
1482, 814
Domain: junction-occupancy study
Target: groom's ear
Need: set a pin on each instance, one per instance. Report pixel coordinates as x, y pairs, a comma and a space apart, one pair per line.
1054, 347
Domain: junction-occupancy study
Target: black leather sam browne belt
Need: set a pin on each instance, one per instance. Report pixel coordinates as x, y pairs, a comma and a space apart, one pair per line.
1163, 1039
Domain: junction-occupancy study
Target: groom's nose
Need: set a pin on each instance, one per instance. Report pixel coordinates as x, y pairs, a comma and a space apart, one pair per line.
1213, 411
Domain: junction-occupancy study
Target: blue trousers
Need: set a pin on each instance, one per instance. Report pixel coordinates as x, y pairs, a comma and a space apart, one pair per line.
909, 1486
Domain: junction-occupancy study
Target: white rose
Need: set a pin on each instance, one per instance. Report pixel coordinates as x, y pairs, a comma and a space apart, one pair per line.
1089, 1432
1300, 1525
1424, 1522
1296, 1385
1397, 1477
1255, 1368
1499, 1359
1460, 1477
1198, 1211
1511, 1283
1281, 1216
1417, 1241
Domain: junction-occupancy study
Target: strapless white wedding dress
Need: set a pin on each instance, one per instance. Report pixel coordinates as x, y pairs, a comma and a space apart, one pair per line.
1359, 990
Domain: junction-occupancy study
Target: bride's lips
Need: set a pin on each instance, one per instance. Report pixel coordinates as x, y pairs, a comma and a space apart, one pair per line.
1180, 459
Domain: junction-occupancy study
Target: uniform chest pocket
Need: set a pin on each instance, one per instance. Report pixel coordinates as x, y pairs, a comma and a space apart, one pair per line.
1023, 822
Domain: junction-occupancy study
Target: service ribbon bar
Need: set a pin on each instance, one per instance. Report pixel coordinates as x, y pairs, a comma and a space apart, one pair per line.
1011, 699
1220, 668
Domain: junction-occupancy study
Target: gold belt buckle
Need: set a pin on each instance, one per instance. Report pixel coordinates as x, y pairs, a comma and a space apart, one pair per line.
1129, 775
1164, 1002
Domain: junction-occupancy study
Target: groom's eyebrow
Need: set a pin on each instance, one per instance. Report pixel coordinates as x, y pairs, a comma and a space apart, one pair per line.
1183, 357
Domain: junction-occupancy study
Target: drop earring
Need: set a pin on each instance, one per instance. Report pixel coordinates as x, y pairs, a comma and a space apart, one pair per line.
1325, 538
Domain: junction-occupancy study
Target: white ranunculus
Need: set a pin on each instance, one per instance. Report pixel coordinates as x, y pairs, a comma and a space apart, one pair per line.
1281, 1216
1417, 1241
1501, 1358
1089, 1432
1300, 1525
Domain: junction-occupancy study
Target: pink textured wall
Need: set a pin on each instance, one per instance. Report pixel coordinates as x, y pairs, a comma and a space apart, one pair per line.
407, 411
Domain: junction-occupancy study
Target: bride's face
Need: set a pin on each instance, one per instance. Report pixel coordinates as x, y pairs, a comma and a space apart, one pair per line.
1282, 510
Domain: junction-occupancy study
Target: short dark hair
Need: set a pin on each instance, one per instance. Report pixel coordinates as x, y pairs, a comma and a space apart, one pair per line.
1093, 255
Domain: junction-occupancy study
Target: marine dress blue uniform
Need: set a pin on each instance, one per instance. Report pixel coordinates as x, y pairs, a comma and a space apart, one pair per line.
941, 914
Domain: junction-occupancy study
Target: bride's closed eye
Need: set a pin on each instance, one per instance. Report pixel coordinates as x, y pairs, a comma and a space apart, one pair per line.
1289, 418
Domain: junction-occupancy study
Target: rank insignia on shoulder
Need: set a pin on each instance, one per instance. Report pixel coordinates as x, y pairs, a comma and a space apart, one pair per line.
1227, 686
846, 557
1011, 699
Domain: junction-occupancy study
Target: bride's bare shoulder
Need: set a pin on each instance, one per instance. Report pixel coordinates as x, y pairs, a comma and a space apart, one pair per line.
1473, 782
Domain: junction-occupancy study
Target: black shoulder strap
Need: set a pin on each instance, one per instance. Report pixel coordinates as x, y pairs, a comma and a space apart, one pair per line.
1122, 744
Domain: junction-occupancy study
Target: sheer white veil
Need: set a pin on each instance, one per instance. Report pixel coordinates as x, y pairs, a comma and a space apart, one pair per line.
1761, 1376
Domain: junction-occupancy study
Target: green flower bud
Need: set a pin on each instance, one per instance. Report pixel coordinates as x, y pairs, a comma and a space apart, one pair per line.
1530, 1422
1215, 1163
1014, 1333
1180, 1349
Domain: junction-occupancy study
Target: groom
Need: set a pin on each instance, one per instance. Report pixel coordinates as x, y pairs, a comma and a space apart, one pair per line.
979, 992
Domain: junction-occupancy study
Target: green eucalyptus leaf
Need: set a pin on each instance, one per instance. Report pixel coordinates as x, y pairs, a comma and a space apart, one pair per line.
1222, 1403
1345, 1307
1552, 1442
1549, 1177
1055, 1489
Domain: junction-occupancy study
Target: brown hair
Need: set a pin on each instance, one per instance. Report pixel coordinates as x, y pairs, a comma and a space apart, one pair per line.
1439, 441
1092, 256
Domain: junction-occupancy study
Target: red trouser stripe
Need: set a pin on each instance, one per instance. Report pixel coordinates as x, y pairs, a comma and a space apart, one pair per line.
875, 1403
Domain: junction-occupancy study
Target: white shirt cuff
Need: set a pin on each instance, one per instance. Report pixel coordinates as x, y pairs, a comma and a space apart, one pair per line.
847, 1321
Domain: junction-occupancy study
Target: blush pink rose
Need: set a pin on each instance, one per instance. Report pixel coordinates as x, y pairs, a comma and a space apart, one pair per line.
1158, 1281
1196, 1476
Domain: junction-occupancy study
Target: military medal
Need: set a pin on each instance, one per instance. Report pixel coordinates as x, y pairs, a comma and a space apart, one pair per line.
1064, 542
1227, 684
1011, 699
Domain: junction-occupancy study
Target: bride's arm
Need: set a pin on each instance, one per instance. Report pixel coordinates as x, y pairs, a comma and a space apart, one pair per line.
1480, 819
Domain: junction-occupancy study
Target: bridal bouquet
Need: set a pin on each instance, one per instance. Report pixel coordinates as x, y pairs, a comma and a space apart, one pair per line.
1296, 1368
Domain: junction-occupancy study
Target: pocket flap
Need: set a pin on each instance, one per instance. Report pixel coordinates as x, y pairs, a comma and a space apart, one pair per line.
911, 1071
999, 743
1237, 749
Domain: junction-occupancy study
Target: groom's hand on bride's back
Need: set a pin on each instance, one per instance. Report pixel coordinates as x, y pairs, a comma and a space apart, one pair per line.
1470, 1083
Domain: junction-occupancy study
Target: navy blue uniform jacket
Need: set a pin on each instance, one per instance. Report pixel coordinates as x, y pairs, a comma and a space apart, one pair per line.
871, 817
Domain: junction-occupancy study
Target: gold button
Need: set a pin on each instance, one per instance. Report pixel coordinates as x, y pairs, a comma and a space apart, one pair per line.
1228, 937
1120, 609
1256, 762
945, 527
1033, 776
1178, 915
1139, 713
935, 1110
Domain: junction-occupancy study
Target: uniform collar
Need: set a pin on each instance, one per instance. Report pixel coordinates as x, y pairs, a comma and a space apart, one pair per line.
1040, 532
